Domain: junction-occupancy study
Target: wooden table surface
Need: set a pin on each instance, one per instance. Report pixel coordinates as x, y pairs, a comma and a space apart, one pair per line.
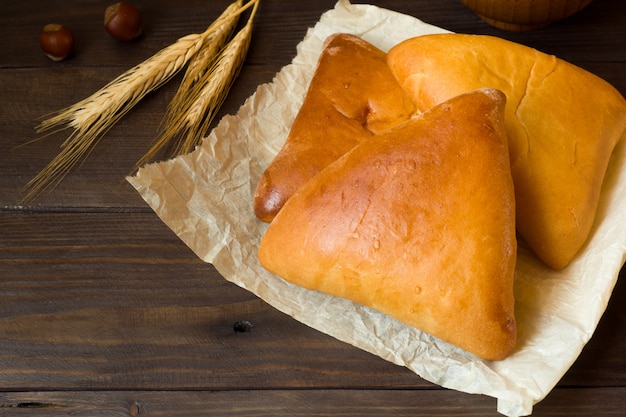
105, 312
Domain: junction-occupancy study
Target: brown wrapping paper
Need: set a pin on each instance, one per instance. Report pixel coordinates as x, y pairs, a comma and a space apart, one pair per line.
205, 197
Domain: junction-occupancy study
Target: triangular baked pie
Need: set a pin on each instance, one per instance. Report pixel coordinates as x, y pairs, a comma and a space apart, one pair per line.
352, 96
417, 223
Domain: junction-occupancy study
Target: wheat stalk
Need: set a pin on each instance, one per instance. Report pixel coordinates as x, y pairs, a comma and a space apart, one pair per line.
201, 62
190, 114
93, 116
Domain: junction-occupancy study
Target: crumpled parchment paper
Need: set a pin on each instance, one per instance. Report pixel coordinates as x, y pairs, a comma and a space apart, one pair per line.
205, 197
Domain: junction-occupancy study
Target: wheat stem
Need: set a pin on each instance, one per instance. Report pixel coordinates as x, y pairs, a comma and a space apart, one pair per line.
189, 118
197, 67
93, 116
201, 62
195, 114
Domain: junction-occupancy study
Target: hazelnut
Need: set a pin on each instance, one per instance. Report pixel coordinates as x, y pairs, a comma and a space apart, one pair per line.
56, 41
122, 21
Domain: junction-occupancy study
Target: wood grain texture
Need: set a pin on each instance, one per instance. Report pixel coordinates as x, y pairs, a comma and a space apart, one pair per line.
104, 311
298, 403
115, 300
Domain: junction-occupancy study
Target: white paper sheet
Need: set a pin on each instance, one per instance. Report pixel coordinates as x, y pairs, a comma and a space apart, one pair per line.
205, 197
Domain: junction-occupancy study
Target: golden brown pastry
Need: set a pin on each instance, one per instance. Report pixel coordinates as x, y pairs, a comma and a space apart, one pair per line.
418, 223
562, 123
352, 96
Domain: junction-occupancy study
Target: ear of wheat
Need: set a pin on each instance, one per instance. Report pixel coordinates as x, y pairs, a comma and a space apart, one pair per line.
92, 117
206, 86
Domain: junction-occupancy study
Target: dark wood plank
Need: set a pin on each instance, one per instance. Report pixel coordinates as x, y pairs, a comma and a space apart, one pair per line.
295, 403
243, 403
163, 21
116, 301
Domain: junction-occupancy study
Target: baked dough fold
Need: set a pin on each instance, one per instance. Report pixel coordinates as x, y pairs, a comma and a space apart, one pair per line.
352, 96
562, 123
418, 223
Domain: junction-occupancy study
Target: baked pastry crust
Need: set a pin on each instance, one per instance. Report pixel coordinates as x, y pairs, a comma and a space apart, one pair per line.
562, 123
352, 96
418, 223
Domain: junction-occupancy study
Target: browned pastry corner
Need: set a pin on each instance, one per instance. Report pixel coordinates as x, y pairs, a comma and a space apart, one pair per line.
352, 96
418, 224
562, 123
